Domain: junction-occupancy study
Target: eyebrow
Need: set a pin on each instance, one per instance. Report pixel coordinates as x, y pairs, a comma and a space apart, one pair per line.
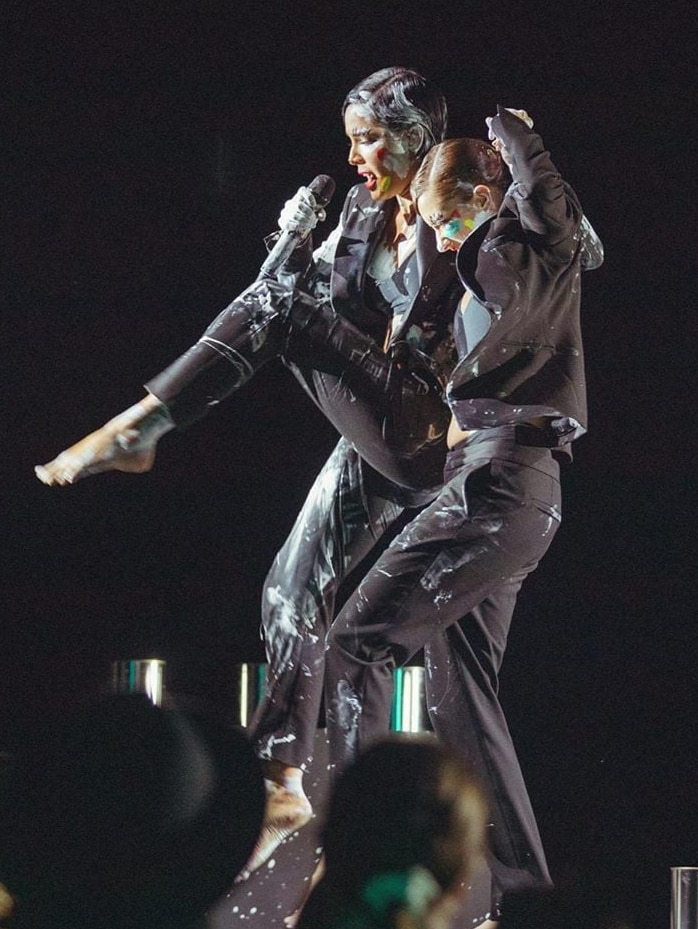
438, 219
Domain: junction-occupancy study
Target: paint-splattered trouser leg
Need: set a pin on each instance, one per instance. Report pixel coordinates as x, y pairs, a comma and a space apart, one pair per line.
463, 556
339, 524
393, 412
461, 669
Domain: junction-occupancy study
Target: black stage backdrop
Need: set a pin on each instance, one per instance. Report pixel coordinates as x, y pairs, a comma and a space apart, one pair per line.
147, 148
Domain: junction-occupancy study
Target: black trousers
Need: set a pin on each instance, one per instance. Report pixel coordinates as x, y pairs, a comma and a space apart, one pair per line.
448, 584
341, 521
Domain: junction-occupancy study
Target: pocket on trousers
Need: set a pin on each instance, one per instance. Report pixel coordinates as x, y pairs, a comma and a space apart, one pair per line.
526, 485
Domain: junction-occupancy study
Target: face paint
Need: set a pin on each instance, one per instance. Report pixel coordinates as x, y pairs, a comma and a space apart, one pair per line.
380, 156
398, 159
453, 228
480, 217
451, 223
385, 183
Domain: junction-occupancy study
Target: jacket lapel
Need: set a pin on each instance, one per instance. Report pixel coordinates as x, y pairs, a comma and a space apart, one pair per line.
437, 275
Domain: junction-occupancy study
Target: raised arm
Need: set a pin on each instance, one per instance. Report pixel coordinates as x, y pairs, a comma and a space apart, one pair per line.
545, 204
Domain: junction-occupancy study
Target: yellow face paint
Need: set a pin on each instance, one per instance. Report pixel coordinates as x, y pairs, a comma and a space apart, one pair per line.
385, 183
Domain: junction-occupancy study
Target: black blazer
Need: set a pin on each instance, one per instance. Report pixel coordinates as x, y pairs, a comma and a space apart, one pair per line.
362, 224
524, 266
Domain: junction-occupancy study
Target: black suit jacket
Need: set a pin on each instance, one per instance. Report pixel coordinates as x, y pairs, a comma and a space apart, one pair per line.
524, 266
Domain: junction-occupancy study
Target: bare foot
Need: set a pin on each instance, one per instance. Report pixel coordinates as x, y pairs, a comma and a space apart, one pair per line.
98, 452
125, 443
286, 812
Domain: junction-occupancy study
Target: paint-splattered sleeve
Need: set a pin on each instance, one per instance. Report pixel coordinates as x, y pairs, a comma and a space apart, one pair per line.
545, 204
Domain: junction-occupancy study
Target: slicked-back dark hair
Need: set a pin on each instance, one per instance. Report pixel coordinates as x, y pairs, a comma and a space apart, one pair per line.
403, 101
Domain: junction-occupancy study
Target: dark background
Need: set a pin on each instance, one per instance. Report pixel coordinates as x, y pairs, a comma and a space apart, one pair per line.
147, 147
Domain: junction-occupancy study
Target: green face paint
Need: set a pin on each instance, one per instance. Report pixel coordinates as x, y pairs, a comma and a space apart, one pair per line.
454, 227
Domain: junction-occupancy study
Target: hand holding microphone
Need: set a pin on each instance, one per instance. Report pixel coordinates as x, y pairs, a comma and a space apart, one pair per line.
298, 218
301, 213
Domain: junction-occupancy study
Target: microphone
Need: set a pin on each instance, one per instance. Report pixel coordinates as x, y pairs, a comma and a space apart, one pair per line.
322, 189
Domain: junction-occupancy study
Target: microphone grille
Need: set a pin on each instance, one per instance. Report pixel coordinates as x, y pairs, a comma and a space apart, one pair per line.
323, 188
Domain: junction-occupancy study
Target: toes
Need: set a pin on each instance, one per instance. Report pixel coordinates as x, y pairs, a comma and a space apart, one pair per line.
43, 474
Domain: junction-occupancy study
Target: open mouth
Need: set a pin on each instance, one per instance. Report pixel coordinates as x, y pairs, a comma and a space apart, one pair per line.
370, 181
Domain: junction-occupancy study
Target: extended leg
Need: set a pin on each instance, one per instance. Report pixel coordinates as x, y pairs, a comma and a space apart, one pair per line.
403, 388
242, 338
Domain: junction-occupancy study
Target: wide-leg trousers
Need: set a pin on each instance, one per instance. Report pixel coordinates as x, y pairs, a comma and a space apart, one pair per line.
341, 521
448, 583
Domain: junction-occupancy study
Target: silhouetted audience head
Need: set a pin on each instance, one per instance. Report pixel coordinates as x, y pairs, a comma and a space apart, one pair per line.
404, 832
128, 816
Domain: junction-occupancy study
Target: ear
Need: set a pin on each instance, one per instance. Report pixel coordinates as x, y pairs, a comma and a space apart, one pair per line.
483, 199
415, 138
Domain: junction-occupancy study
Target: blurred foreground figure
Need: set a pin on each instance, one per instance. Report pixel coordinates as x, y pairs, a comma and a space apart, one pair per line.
403, 837
128, 816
